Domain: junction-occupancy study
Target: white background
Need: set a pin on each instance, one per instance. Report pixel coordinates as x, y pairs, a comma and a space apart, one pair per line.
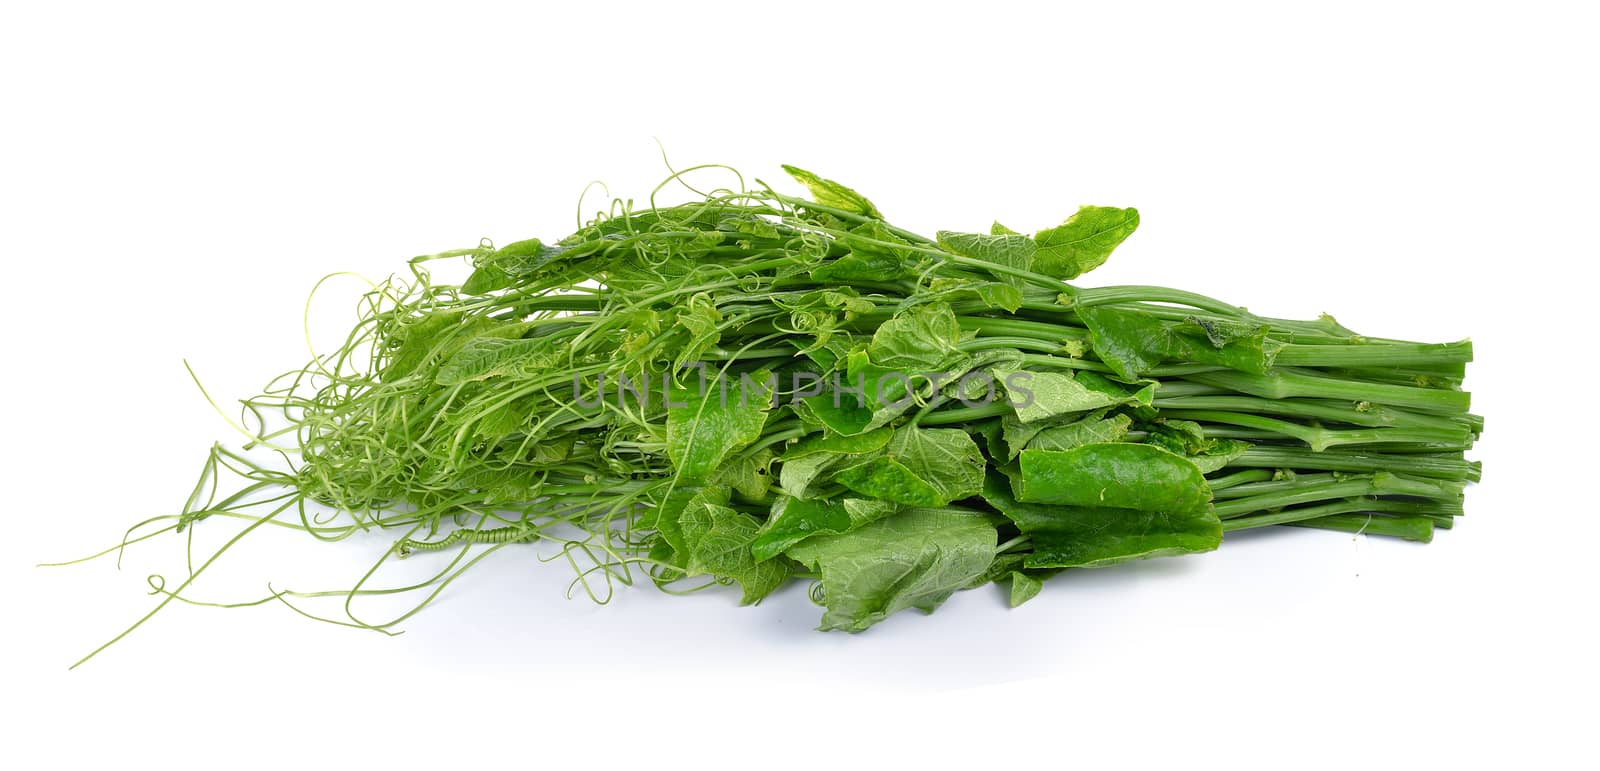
175, 177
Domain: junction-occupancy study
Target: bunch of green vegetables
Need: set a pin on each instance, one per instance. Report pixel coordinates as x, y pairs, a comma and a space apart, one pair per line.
756, 387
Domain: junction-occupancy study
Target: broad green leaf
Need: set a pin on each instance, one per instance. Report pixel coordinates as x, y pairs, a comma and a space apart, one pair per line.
1218, 332
1128, 341
417, 341
1084, 241
663, 517
1124, 476
486, 279
864, 266
1096, 536
993, 294
710, 425
793, 520
1187, 438
835, 301
855, 444
875, 236
920, 340
745, 473
826, 353
512, 416
875, 253
1140, 393
906, 350
522, 258
1012, 251
662, 553
554, 450
717, 541
920, 467
1090, 430
841, 413
484, 358
1001, 567
700, 316
992, 432
868, 395
1024, 587
1132, 342
885, 390
503, 267
808, 477
998, 296
1184, 437
1219, 454
809, 465
1039, 395
830, 193
913, 559
750, 225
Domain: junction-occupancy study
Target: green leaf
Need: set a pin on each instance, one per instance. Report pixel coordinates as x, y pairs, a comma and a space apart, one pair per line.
1039, 395
486, 279
746, 474
1125, 476
863, 266
885, 391
810, 464
1024, 587
700, 316
1219, 454
998, 296
663, 517
717, 541
835, 302
793, 520
854, 444
830, 193
512, 416
522, 258
876, 253
993, 294
920, 340
826, 353
1184, 437
809, 476
503, 267
1097, 536
1132, 342
710, 425
484, 358
1218, 332
913, 559
841, 413
920, 467
876, 394
1001, 567
749, 225
415, 342
1084, 241
1187, 438
1013, 251
663, 554
1090, 430
992, 433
